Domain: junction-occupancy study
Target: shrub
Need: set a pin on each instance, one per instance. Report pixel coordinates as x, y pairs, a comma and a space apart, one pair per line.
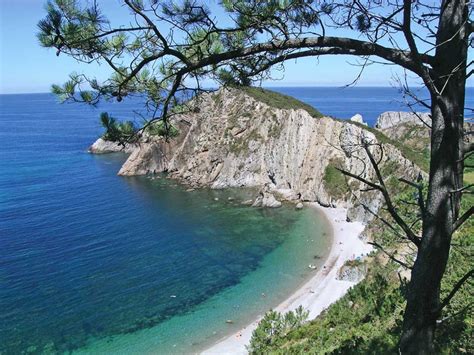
117, 131
158, 129
273, 326
334, 181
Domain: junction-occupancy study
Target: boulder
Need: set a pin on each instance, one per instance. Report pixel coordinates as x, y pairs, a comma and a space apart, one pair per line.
247, 203
266, 199
101, 146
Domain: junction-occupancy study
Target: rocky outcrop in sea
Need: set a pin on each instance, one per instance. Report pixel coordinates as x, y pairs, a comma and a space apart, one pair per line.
235, 140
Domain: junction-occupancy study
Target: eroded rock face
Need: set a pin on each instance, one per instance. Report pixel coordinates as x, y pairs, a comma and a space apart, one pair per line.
236, 141
147, 158
390, 119
101, 146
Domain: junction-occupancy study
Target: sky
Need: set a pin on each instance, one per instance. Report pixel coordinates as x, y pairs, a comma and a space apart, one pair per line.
26, 67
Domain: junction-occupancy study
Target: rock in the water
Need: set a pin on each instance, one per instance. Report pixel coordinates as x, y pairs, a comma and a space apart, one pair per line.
266, 199
101, 146
299, 206
247, 202
225, 145
358, 118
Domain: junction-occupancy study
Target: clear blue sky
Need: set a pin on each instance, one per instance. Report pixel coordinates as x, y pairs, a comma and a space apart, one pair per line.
27, 67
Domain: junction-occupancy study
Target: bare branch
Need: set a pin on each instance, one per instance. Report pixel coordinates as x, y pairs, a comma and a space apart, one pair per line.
391, 256
459, 222
455, 289
420, 200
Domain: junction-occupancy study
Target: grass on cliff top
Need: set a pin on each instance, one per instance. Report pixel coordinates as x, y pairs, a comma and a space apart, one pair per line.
277, 100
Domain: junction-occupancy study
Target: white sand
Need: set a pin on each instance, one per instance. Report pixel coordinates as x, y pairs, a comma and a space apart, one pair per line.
319, 292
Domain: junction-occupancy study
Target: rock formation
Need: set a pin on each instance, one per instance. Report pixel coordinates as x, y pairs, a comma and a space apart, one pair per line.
235, 140
102, 146
391, 119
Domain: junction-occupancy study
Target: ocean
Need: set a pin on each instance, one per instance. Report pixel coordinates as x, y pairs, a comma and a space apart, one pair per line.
96, 263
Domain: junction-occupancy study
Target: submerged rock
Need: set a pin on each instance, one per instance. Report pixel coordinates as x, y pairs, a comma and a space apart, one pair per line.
299, 206
247, 203
266, 199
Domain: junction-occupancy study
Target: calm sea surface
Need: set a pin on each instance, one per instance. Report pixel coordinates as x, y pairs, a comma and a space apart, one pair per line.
94, 262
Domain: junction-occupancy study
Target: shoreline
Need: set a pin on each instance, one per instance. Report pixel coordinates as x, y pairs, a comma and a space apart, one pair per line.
322, 289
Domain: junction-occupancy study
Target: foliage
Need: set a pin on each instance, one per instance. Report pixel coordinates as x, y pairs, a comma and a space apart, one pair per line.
469, 170
281, 101
275, 325
158, 128
366, 320
457, 321
334, 181
116, 131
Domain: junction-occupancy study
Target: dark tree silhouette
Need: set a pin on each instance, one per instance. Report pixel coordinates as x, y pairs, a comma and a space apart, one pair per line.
169, 47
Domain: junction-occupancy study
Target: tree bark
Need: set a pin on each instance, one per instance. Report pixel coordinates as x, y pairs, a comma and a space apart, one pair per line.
446, 166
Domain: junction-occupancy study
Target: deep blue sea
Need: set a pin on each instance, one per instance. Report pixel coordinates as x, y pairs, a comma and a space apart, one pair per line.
94, 262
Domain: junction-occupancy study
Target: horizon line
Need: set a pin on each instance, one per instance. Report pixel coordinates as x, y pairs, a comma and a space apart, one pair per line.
263, 86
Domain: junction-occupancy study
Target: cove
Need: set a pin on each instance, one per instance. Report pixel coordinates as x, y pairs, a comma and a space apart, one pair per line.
90, 260
236, 263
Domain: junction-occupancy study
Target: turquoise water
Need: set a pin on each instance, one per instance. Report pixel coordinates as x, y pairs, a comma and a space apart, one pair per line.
90, 261
296, 239
87, 256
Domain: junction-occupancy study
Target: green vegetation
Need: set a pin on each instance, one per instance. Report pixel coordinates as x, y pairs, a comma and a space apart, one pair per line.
277, 100
117, 131
126, 131
275, 325
368, 319
469, 171
158, 128
334, 181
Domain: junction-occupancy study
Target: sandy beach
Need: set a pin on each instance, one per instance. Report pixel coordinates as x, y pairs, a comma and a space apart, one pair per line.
321, 290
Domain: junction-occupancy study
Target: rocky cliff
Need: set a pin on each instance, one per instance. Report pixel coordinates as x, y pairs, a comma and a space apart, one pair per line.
391, 119
235, 139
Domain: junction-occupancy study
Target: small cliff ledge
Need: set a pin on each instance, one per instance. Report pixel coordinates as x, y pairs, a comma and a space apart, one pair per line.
102, 146
254, 137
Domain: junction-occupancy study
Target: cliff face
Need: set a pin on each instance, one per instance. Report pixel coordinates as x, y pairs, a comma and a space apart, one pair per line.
391, 119
235, 140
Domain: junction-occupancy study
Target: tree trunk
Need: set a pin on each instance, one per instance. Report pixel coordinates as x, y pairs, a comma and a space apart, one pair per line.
442, 205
